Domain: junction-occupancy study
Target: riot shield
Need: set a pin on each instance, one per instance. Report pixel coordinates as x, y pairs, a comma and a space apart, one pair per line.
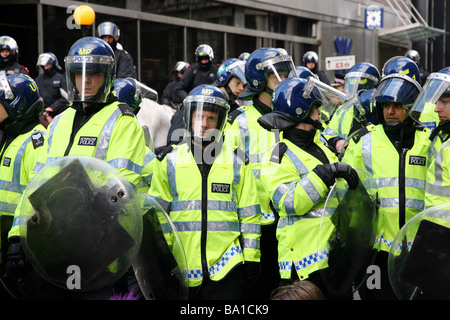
160, 267
80, 224
419, 258
348, 228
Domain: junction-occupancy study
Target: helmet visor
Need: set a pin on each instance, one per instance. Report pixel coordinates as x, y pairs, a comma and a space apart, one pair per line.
5, 89
280, 66
89, 78
355, 81
398, 88
238, 71
108, 29
423, 109
44, 59
205, 117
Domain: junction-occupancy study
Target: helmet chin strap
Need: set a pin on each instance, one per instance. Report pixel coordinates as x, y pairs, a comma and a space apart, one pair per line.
315, 123
230, 94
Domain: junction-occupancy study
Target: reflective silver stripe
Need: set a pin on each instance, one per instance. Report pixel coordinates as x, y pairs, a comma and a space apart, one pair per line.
289, 220
330, 132
52, 131
251, 243
189, 205
256, 173
438, 190
439, 158
105, 136
211, 226
250, 228
163, 203
256, 158
367, 152
245, 134
304, 262
249, 210
394, 202
301, 168
394, 182
171, 174
8, 207
280, 191
127, 164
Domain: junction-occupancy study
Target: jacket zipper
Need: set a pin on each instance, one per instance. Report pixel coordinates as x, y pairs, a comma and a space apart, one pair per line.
402, 188
204, 228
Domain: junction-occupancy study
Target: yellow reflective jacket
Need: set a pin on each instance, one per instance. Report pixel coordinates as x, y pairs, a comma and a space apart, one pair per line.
18, 159
438, 178
400, 178
217, 216
245, 132
299, 196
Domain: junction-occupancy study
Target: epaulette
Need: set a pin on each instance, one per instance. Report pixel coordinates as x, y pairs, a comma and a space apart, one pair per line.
278, 152
241, 154
126, 110
162, 152
361, 132
37, 138
234, 114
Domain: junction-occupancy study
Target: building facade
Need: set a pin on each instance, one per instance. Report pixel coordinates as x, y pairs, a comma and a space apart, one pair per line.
158, 33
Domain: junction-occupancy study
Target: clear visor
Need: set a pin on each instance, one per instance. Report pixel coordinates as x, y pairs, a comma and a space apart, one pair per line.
144, 91
355, 81
331, 98
44, 59
280, 66
89, 78
205, 117
425, 104
398, 88
238, 70
5, 87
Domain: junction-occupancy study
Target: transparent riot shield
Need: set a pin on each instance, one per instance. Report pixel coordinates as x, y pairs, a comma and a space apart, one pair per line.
161, 266
348, 229
80, 223
419, 259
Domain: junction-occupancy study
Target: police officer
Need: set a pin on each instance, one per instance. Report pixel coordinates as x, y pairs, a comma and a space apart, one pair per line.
264, 69
202, 72
397, 153
362, 76
95, 124
208, 191
178, 70
52, 85
231, 80
9, 57
311, 61
21, 136
435, 97
298, 175
110, 32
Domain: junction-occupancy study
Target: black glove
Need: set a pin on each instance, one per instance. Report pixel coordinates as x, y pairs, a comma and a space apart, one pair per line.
330, 172
16, 263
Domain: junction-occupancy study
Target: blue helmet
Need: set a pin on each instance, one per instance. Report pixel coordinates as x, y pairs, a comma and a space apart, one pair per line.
364, 107
401, 65
244, 56
260, 64
231, 68
89, 56
131, 92
20, 97
201, 99
304, 72
310, 56
361, 76
48, 58
292, 102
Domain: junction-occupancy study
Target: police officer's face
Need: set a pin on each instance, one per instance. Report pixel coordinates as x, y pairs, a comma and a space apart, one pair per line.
92, 83
443, 108
310, 65
4, 53
202, 121
394, 112
236, 86
108, 39
273, 80
3, 114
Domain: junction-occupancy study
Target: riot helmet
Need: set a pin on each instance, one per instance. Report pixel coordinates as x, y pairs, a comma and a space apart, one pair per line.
292, 102
364, 108
90, 70
8, 43
413, 55
131, 91
48, 58
204, 51
206, 110
244, 56
19, 96
231, 68
108, 29
361, 76
262, 63
436, 87
398, 84
303, 72
310, 56
181, 67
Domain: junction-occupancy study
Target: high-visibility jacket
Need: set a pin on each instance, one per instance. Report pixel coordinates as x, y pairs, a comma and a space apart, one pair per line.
245, 132
299, 196
217, 217
437, 189
147, 171
112, 134
17, 161
400, 178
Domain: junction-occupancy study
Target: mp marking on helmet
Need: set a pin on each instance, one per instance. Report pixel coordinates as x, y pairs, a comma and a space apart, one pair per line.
207, 92
84, 51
